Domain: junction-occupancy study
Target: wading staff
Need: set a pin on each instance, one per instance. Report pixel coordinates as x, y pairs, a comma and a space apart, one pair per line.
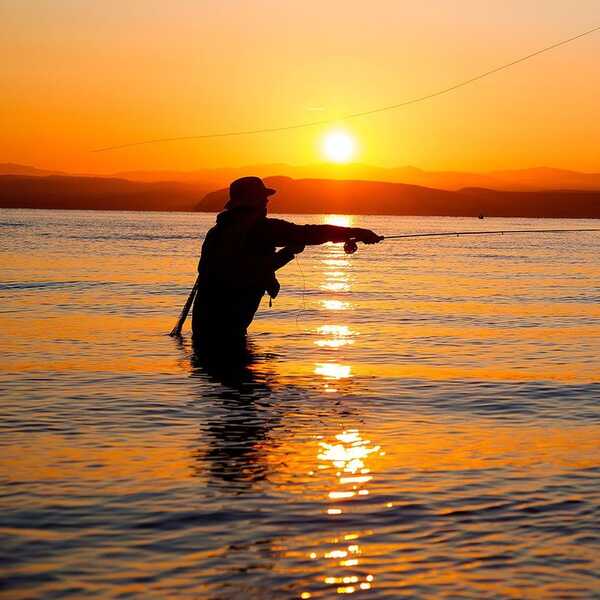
176, 331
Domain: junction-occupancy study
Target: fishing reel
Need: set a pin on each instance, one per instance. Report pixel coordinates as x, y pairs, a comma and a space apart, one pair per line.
350, 246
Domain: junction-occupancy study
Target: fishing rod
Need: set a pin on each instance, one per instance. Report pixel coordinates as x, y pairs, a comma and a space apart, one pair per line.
350, 247
490, 232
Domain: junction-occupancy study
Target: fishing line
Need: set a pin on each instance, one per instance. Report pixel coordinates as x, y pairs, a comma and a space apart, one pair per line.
302, 309
356, 115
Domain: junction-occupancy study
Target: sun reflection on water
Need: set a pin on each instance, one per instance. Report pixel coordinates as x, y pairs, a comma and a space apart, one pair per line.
333, 370
333, 343
349, 454
336, 286
335, 305
336, 262
339, 336
340, 330
334, 336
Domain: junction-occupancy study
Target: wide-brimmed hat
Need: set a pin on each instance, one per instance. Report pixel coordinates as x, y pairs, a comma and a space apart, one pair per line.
248, 191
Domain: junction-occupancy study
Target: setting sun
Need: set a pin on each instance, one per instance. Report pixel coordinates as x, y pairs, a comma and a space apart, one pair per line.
339, 146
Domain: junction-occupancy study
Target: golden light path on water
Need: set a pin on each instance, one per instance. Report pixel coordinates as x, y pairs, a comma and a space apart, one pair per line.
336, 278
349, 455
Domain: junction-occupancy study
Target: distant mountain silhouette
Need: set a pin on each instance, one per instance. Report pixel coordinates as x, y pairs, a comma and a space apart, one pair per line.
533, 179
96, 193
381, 198
545, 178
294, 196
14, 169
215, 177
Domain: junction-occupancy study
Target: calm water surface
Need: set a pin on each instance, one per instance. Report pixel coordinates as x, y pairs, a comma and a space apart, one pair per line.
420, 419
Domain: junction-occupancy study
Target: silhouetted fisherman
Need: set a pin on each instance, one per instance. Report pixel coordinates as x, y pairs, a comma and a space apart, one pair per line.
239, 259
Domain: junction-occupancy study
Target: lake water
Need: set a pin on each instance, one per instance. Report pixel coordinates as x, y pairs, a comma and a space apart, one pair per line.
420, 419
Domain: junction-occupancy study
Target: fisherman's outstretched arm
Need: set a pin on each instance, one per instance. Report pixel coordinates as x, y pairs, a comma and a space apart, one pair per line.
320, 234
284, 233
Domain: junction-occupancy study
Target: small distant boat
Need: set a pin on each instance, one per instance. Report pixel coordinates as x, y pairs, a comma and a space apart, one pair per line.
481, 216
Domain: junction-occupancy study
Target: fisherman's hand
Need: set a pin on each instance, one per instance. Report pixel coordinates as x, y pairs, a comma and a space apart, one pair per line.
366, 236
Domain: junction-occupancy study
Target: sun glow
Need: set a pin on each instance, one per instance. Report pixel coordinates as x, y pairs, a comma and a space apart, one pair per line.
339, 146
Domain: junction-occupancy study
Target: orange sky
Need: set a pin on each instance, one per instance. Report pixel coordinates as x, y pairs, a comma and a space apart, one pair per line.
81, 75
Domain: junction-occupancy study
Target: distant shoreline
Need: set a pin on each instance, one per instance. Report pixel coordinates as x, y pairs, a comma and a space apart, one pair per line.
279, 214
296, 196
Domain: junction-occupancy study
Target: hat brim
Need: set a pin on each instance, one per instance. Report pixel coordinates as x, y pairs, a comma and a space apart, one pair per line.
270, 191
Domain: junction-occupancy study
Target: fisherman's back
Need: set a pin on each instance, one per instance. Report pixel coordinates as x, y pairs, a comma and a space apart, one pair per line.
234, 272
